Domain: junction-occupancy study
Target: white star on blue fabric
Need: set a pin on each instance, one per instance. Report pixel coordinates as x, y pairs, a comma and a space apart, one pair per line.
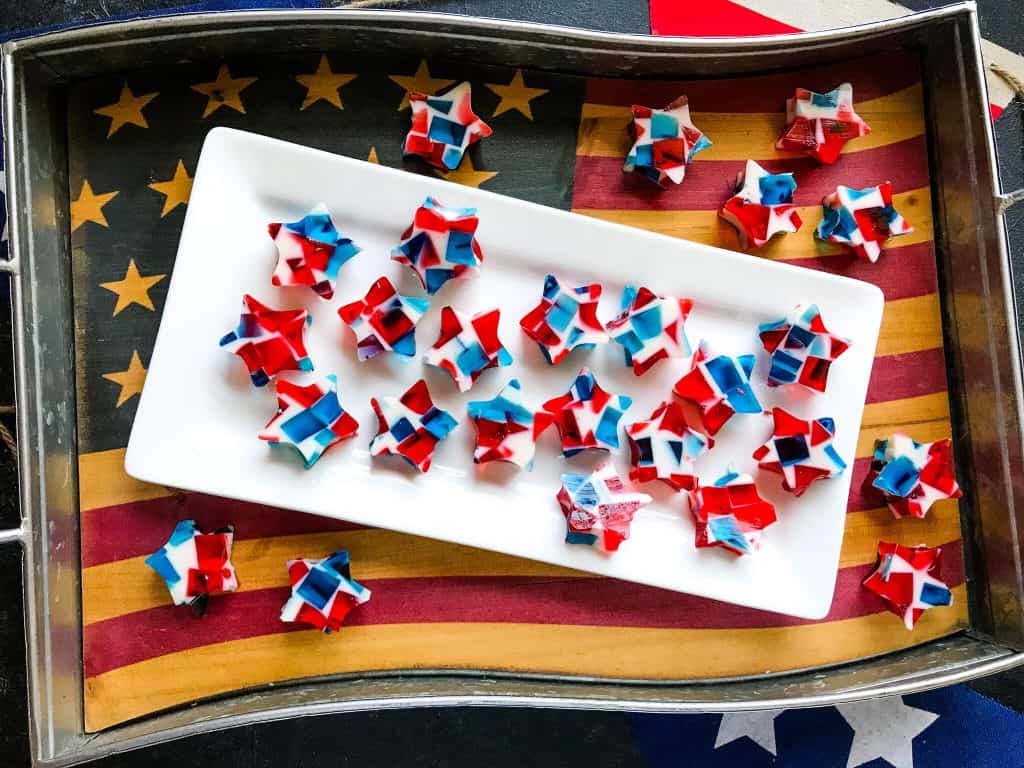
758, 726
884, 728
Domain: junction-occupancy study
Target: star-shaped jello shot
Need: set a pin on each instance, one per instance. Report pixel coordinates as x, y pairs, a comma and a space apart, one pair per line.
800, 450
410, 426
565, 319
269, 341
310, 252
506, 428
309, 418
468, 346
587, 416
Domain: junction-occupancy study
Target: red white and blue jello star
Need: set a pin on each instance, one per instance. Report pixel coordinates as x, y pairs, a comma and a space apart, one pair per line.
410, 426
730, 513
309, 418
269, 340
651, 328
586, 416
440, 244
861, 219
664, 448
912, 476
719, 386
468, 346
323, 592
196, 565
820, 124
310, 252
506, 428
564, 320
443, 127
762, 205
664, 142
907, 579
802, 349
598, 508
384, 320
800, 450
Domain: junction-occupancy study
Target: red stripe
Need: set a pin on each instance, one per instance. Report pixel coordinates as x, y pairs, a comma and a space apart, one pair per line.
902, 272
872, 78
714, 18
862, 497
142, 527
600, 182
895, 377
995, 110
582, 601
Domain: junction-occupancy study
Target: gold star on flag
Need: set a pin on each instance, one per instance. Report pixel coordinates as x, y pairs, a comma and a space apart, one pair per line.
176, 190
127, 109
130, 380
421, 82
133, 289
225, 91
516, 95
89, 207
324, 84
467, 175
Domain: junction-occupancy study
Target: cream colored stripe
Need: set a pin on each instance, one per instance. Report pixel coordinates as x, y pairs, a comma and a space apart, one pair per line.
893, 118
379, 554
707, 228
910, 325
924, 418
102, 482
615, 652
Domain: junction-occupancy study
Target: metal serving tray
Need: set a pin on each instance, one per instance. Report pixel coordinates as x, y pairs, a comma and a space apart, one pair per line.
980, 326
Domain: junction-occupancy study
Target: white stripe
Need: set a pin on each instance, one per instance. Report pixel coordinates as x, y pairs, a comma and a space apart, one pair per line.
814, 15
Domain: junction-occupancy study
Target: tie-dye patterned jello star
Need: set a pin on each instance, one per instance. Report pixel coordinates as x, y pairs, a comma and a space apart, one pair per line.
664, 142
820, 124
195, 565
506, 428
802, 349
565, 319
719, 386
310, 252
907, 579
440, 244
269, 340
664, 448
651, 328
587, 416
598, 508
762, 206
444, 126
800, 450
323, 592
309, 418
731, 513
468, 346
384, 320
912, 476
410, 426
861, 219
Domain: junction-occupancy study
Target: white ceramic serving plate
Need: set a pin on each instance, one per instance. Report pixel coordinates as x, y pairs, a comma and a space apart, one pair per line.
198, 417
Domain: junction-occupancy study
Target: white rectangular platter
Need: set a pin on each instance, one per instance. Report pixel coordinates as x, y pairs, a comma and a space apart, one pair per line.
198, 417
